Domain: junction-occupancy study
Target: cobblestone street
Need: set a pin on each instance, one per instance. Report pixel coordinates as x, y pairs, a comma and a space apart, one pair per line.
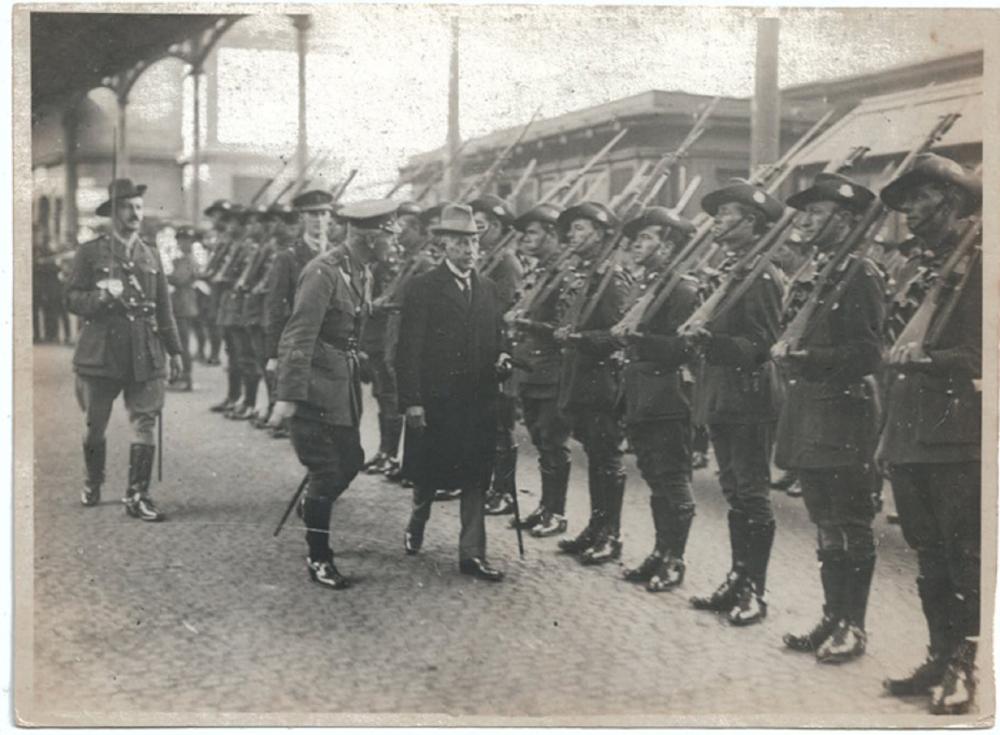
209, 613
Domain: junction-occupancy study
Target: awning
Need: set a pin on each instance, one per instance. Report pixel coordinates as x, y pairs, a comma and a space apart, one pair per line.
892, 124
72, 52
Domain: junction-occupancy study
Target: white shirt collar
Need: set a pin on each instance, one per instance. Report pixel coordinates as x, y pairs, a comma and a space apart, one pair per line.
457, 273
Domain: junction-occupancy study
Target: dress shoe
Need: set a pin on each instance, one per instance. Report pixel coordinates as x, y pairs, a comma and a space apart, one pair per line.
552, 525
809, 642
785, 481
241, 413
91, 495
280, 432
326, 574
213, 361
920, 681
699, 460
376, 465
845, 643
583, 540
645, 570
531, 520
222, 407
450, 494
141, 506
722, 599
413, 539
499, 504
391, 468
669, 575
604, 549
480, 568
182, 385
749, 607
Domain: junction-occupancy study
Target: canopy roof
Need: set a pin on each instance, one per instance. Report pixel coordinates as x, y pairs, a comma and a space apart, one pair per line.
73, 52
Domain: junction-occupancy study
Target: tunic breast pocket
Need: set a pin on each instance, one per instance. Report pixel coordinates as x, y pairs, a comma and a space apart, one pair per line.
949, 413
841, 418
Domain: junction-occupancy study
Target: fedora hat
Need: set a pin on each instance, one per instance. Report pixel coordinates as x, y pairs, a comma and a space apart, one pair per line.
457, 219
119, 189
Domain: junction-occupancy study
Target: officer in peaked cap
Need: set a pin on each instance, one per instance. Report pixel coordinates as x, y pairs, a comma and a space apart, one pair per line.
119, 289
932, 434
656, 401
831, 393
321, 398
493, 217
316, 200
589, 385
734, 397
313, 211
538, 383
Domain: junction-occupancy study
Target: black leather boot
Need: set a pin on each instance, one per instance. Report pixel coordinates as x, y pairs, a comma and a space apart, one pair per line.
956, 693
935, 591
586, 538
831, 567
138, 504
677, 526
501, 500
234, 382
607, 545
750, 607
94, 459
724, 596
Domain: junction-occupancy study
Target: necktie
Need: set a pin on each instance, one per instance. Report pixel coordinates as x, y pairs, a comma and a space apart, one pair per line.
465, 286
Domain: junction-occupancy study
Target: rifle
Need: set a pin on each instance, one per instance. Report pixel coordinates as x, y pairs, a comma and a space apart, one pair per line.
854, 245
267, 184
627, 195
483, 182
700, 248
339, 191
440, 174
568, 184
654, 182
316, 164
401, 182
525, 176
918, 331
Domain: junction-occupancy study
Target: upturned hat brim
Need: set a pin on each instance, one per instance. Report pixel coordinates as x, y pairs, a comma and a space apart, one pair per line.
895, 193
105, 209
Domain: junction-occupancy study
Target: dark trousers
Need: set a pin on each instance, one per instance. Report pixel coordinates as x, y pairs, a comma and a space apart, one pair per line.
384, 389
743, 452
549, 429
840, 502
256, 339
472, 538
600, 433
332, 455
939, 510
245, 352
184, 332
663, 454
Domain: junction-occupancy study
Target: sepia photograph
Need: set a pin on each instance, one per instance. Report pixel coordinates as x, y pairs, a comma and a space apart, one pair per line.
504, 365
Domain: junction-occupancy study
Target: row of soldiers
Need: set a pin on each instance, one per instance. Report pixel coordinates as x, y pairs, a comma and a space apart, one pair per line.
828, 405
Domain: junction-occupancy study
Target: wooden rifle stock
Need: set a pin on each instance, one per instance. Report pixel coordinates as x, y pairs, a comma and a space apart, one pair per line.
525, 177
917, 330
570, 180
339, 191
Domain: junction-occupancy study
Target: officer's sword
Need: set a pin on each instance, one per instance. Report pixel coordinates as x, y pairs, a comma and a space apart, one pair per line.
291, 505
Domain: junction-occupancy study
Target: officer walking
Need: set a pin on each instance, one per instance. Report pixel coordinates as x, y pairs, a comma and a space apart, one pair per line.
319, 383
932, 434
119, 289
829, 419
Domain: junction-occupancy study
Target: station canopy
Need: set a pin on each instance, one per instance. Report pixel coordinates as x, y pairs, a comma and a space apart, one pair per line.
892, 124
73, 52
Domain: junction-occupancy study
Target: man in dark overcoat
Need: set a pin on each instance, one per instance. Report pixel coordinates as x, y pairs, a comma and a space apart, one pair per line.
119, 290
450, 346
184, 301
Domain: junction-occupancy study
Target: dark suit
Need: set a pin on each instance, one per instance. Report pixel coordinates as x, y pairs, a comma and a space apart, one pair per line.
448, 347
185, 305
